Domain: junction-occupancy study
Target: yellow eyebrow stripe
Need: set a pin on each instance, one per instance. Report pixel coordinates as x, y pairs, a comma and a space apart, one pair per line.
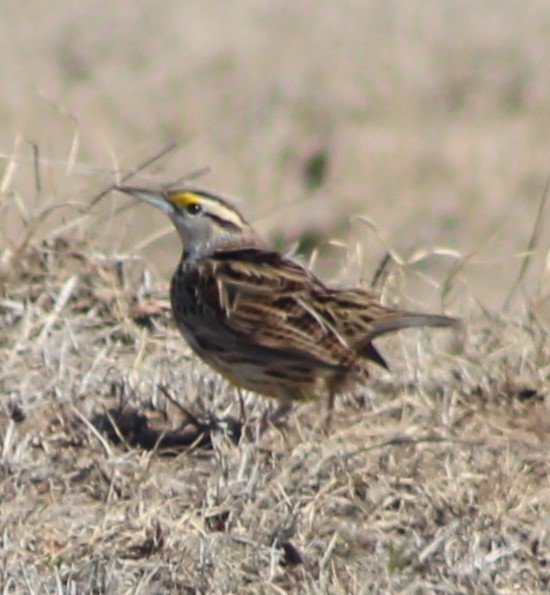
183, 199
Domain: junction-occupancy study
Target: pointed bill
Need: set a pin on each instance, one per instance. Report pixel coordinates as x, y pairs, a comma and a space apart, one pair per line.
157, 198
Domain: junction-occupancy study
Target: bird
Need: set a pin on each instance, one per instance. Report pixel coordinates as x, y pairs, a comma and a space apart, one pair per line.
260, 318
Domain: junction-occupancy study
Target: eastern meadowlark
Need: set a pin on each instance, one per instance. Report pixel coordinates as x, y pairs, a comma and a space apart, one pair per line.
262, 320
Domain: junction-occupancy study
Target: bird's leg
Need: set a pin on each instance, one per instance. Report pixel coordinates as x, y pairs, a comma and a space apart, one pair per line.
242, 409
273, 418
334, 386
330, 409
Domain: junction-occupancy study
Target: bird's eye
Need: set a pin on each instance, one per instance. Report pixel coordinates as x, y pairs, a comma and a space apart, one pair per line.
194, 208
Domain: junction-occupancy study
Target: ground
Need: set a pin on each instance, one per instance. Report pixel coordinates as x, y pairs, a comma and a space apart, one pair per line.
415, 135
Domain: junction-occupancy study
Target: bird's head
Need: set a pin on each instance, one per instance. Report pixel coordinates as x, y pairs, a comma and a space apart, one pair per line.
205, 221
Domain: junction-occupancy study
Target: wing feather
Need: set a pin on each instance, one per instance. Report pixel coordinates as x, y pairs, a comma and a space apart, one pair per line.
274, 304
269, 299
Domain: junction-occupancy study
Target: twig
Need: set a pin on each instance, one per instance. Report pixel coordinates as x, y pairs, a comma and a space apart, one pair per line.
36, 164
190, 417
116, 429
531, 247
381, 270
94, 431
406, 440
149, 161
64, 295
434, 545
328, 551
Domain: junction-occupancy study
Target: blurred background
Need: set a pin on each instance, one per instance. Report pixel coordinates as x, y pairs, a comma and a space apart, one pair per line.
349, 127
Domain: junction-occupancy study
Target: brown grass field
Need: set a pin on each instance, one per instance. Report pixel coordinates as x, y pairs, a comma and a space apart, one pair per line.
414, 133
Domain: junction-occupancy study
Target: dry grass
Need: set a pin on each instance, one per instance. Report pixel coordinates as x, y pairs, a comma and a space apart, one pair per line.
434, 122
433, 479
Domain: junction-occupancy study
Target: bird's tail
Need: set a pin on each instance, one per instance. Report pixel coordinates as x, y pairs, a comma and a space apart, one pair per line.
401, 320
395, 322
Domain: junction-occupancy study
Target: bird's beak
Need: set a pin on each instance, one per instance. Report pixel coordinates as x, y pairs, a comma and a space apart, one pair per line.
157, 198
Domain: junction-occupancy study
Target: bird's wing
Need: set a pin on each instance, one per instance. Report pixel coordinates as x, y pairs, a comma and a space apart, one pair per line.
271, 302
267, 300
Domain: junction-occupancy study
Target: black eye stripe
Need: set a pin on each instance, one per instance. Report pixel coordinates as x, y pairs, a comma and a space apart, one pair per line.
223, 222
